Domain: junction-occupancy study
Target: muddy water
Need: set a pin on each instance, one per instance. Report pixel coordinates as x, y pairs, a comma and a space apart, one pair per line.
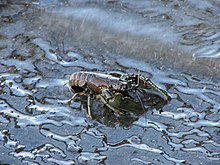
43, 42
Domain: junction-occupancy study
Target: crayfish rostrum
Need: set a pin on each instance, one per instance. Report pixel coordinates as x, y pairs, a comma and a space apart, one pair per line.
120, 93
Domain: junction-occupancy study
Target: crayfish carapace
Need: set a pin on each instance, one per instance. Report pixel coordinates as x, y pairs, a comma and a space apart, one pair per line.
120, 93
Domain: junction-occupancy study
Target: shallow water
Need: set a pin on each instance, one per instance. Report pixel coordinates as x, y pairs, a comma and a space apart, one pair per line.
38, 56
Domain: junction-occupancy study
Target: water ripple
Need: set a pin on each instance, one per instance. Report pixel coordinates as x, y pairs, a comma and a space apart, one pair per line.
128, 143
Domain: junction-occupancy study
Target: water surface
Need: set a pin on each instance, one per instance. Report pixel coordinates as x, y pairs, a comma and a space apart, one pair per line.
43, 42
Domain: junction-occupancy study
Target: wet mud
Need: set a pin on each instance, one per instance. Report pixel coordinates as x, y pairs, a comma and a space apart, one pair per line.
43, 42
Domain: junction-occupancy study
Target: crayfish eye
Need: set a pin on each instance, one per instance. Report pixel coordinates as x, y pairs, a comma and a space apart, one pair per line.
77, 89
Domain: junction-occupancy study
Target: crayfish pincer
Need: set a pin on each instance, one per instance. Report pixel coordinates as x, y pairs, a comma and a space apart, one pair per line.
121, 93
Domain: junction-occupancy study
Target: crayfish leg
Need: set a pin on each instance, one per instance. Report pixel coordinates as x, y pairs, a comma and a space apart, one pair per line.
89, 106
108, 105
72, 98
69, 100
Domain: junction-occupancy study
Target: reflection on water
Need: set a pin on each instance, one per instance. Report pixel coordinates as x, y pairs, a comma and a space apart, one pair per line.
36, 127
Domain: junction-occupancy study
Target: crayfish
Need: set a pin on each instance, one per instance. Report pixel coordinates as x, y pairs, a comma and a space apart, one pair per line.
120, 93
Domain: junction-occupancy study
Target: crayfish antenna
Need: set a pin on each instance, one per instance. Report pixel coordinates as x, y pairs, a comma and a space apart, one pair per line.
142, 105
138, 82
